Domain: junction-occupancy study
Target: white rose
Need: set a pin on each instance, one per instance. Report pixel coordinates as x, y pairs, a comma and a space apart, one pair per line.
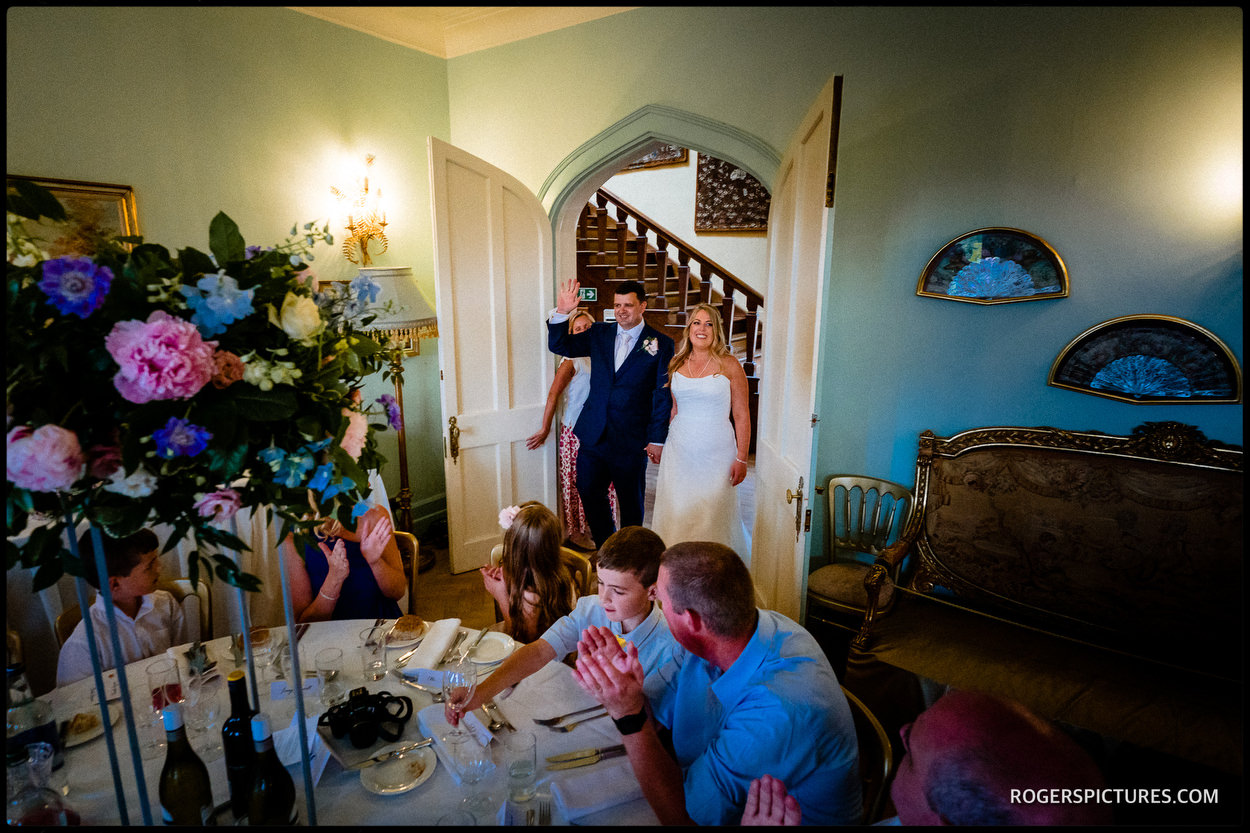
300, 318
139, 484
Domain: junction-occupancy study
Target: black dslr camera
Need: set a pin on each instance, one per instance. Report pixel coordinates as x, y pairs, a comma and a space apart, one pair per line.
365, 717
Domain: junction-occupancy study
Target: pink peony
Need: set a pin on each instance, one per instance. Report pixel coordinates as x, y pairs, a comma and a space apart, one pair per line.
507, 515
220, 505
161, 358
228, 369
357, 429
48, 459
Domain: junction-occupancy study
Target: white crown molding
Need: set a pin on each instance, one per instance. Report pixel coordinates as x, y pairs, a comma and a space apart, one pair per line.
452, 31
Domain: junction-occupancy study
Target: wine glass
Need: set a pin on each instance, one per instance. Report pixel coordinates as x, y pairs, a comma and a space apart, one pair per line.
459, 683
474, 762
163, 688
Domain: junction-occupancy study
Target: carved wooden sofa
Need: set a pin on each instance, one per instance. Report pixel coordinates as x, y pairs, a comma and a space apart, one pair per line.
1096, 578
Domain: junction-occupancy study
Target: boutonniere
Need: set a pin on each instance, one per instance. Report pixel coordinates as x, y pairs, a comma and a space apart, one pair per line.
650, 345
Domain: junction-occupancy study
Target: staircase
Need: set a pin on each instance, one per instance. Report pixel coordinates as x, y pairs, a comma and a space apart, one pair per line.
612, 249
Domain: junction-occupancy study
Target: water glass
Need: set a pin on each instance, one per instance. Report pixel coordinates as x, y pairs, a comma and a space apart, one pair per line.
373, 652
39, 761
329, 669
202, 710
474, 762
162, 689
522, 761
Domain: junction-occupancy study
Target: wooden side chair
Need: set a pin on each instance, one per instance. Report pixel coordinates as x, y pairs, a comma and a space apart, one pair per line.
876, 758
409, 553
866, 514
180, 588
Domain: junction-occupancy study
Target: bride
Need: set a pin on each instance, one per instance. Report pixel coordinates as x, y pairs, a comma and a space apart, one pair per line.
705, 455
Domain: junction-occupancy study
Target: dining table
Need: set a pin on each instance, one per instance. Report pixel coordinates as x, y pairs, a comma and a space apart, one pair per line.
602, 793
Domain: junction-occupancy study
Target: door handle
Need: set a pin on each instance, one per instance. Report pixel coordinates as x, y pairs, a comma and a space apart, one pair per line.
797, 499
453, 438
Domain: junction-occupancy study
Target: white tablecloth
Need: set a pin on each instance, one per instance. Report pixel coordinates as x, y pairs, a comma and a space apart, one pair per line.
340, 797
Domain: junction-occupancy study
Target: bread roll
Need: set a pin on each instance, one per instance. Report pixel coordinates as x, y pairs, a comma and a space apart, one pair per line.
408, 627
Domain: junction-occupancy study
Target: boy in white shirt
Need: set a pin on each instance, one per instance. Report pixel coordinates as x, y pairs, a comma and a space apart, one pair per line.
149, 621
628, 565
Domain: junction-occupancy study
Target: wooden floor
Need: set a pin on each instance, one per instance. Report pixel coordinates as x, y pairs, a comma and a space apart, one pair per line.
441, 595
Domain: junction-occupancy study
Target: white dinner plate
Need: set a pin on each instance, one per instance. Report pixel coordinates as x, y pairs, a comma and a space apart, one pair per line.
493, 649
400, 774
96, 729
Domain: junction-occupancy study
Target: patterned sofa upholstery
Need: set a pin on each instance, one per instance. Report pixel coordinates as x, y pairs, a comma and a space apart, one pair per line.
1097, 578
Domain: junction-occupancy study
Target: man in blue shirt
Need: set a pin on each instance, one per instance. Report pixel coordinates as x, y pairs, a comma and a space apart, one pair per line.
754, 696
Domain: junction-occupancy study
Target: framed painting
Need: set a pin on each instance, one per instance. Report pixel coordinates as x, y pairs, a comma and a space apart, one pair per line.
662, 157
1149, 359
996, 265
94, 209
728, 199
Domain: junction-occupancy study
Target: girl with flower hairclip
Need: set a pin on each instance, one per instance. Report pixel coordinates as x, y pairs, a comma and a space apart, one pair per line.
531, 583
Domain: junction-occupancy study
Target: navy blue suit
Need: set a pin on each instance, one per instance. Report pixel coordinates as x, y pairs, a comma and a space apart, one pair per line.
625, 411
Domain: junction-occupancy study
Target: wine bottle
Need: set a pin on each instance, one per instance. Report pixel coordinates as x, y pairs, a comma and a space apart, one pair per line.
185, 792
273, 792
236, 742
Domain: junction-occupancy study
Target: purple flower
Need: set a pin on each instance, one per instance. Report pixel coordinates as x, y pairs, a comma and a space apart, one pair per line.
392, 410
161, 358
179, 438
75, 285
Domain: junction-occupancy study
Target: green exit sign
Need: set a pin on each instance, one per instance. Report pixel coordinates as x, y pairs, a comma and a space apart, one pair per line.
588, 293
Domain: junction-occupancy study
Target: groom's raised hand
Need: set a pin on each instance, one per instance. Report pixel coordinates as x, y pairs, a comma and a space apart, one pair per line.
566, 301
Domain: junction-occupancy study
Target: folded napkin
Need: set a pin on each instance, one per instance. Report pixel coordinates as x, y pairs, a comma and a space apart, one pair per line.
432, 648
581, 792
434, 724
548, 692
286, 745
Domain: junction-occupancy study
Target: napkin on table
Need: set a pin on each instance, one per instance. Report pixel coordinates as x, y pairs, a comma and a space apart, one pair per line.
581, 792
433, 646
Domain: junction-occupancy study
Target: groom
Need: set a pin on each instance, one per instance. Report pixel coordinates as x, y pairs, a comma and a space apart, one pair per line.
625, 419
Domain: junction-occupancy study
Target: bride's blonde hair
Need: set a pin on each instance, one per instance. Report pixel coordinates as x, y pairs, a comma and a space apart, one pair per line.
684, 348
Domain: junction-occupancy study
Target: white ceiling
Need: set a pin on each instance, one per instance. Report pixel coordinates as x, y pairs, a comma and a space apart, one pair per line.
452, 31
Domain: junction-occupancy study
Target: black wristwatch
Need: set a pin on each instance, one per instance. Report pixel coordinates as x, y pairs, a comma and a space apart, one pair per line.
631, 723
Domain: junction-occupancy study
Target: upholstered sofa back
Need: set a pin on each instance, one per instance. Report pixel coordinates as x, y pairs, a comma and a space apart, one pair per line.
1129, 542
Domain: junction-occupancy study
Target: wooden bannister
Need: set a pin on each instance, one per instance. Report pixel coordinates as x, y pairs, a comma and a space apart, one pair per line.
737, 297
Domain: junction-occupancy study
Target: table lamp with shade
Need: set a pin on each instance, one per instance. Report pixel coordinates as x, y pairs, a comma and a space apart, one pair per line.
408, 316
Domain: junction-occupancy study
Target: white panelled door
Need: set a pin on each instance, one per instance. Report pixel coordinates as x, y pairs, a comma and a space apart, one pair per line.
797, 234
492, 258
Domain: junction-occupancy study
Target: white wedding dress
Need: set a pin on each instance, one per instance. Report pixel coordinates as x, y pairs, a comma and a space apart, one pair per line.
694, 500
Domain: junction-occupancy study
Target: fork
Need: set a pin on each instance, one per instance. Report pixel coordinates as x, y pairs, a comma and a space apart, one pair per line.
552, 721
544, 812
568, 727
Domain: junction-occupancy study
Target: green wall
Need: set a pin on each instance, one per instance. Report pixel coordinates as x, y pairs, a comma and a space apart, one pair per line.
1101, 130
251, 111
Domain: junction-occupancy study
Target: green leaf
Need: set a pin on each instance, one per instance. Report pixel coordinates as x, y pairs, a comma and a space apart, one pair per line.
34, 201
195, 262
120, 520
224, 240
46, 576
266, 405
349, 468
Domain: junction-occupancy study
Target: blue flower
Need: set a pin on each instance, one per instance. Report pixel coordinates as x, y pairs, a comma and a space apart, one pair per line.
362, 506
216, 302
321, 479
180, 438
365, 288
75, 285
392, 410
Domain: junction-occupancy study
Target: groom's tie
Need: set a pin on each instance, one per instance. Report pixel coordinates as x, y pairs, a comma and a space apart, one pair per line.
622, 347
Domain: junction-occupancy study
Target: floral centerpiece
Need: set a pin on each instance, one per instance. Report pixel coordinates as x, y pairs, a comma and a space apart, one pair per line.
148, 387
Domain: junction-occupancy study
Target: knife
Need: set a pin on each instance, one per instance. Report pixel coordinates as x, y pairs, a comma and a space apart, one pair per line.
599, 755
454, 645
607, 751
402, 659
383, 758
476, 640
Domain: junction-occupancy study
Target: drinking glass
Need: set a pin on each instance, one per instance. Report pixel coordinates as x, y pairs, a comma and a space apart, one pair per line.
329, 669
262, 651
373, 651
474, 762
459, 682
163, 688
522, 760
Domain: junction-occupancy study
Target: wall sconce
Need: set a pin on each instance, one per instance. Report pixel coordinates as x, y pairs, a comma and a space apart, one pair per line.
366, 218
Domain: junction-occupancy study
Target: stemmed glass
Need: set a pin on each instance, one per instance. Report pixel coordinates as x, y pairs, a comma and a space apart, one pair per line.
163, 688
474, 762
459, 683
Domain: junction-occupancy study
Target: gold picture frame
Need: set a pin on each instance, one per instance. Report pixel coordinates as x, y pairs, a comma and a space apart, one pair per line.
93, 209
994, 265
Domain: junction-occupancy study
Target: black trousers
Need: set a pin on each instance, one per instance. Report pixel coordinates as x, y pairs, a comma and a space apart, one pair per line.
598, 467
